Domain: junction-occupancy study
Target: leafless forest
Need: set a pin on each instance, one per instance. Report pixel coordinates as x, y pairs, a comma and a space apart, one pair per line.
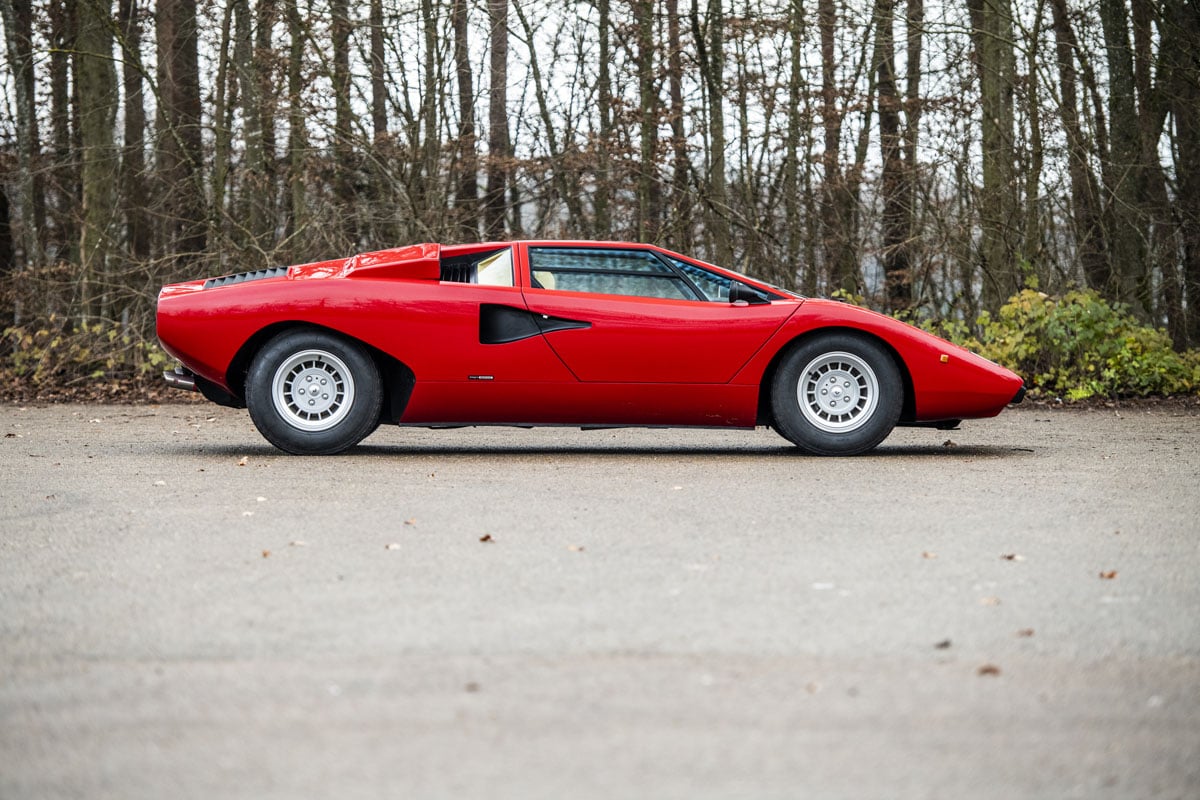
922, 155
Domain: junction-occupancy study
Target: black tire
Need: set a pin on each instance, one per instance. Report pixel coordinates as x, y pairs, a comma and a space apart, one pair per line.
837, 394
313, 393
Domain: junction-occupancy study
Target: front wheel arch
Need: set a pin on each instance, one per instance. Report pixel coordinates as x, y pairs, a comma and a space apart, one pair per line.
908, 407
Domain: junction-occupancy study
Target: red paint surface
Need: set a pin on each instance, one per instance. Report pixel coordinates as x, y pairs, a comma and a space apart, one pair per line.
643, 361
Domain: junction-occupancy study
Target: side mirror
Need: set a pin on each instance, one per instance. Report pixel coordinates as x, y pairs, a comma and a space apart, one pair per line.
741, 294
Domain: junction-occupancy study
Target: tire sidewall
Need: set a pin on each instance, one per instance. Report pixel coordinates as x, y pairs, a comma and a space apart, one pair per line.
795, 426
359, 421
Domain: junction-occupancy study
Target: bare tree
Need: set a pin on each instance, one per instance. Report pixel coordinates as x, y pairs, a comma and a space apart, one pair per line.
17, 17
709, 34
134, 201
466, 199
180, 165
97, 117
999, 217
498, 145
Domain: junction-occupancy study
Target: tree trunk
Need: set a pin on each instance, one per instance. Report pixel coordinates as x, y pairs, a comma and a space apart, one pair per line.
791, 155
710, 48
344, 168
297, 141
896, 212
498, 152
1085, 191
17, 16
837, 203
603, 220
179, 143
97, 116
379, 96
680, 234
1182, 81
133, 158
914, 17
648, 193
64, 183
999, 215
466, 199
431, 203
1032, 235
253, 221
1125, 176
225, 91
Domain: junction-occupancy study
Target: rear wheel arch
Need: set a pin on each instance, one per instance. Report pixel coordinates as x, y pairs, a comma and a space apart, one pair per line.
398, 379
765, 417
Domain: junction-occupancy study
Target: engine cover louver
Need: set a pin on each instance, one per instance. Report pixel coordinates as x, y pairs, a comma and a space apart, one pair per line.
242, 277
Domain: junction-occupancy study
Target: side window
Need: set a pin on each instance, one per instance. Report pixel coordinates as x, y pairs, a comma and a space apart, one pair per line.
710, 284
489, 268
713, 286
638, 273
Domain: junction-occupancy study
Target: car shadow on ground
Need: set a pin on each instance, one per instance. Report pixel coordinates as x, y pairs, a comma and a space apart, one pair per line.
572, 450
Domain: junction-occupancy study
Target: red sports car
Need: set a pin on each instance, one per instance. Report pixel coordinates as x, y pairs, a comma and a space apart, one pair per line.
593, 334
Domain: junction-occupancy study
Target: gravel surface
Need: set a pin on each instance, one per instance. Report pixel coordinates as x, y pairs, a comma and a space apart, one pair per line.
1005, 611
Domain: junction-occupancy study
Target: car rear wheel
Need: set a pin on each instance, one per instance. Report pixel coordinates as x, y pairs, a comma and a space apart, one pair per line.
313, 393
837, 394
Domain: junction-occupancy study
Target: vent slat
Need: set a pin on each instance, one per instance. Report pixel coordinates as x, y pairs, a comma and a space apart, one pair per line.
242, 277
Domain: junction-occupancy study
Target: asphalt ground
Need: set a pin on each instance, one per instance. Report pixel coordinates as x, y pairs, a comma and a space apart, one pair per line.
1009, 610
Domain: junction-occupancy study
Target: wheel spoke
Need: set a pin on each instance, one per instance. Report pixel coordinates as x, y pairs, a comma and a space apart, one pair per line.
313, 390
838, 392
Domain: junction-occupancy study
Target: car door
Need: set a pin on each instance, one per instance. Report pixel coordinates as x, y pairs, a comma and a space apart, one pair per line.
630, 315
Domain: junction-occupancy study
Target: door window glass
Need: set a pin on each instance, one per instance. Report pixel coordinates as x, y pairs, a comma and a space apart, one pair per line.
637, 273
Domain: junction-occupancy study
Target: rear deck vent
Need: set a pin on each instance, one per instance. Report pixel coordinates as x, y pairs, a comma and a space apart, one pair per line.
465, 269
242, 277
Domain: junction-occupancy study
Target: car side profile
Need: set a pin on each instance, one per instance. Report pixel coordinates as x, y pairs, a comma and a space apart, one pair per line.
590, 334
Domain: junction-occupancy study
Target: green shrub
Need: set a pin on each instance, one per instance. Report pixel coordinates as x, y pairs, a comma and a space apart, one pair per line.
1078, 346
54, 354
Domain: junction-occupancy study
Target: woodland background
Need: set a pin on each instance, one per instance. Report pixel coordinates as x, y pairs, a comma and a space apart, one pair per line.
930, 158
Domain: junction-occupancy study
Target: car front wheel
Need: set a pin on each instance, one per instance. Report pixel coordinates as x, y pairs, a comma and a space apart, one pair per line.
313, 393
837, 394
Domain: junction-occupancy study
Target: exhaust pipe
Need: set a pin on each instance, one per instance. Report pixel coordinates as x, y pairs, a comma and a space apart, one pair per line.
180, 378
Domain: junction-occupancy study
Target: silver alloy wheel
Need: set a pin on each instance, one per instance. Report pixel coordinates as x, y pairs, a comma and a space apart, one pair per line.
838, 392
313, 390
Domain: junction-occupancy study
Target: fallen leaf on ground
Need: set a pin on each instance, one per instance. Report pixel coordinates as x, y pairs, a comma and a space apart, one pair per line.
989, 601
160, 483
949, 443
298, 543
1012, 557
243, 460
988, 669
575, 548
943, 645
392, 546
1108, 576
266, 553
487, 537
1025, 633
411, 522
928, 554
